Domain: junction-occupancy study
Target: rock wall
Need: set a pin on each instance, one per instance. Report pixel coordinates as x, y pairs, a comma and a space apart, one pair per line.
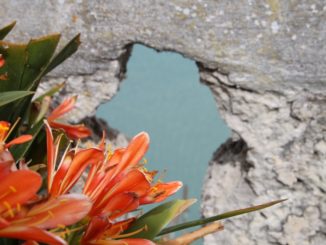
265, 63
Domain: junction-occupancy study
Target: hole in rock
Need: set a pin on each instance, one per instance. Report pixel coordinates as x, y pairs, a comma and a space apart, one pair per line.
162, 96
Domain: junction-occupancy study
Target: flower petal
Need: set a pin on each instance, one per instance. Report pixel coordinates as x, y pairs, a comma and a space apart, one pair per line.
72, 131
95, 229
19, 140
96, 182
136, 241
66, 106
18, 187
63, 210
160, 192
119, 227
3, 223
134, 152
133, 182
80, 161
51, 156
61, 173
127, 241
31, 233
120, 204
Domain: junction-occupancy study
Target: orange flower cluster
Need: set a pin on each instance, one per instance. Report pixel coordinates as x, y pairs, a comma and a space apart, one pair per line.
23, 214
117, 183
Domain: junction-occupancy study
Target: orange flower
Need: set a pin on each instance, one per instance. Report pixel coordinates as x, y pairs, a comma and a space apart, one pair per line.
6, 159
73, 131
103, 173
62, 178
121, 195
18, 220
4, 129
120, 184
116, 183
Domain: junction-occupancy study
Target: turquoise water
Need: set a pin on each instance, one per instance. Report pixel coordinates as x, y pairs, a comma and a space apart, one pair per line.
162, 95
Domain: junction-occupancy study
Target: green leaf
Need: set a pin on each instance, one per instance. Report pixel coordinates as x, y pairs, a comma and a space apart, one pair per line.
217, 217
24, 62
23, 65
44, 106
65, 53
7, 97
19, 151
39, 53
5, 30
156, 219
11, 73
56, 88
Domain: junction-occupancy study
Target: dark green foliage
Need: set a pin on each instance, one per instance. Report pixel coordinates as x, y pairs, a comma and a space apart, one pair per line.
25, 65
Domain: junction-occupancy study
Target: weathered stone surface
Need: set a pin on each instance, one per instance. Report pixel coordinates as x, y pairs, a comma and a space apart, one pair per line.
265, 64
284, 158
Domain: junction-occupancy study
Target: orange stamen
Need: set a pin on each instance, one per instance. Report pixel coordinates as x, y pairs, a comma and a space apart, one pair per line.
18, 207
50, 215
11, 189
119, 236
9, 209
68, 231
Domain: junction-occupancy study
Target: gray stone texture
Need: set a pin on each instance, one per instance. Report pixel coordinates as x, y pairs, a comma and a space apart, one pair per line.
264, 61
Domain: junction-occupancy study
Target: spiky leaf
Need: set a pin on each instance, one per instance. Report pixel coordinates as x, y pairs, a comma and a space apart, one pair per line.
55, 89
65, 53
156, 219
23, 63
218, 217
5, 30
39, 53
8, 97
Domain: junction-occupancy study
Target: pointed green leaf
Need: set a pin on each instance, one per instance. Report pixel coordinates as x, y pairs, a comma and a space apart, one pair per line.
5, 30
64, 54
24, 63
56, 88
156, 219
12, 72
7, 97
43, 108
217, 217
39, 53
